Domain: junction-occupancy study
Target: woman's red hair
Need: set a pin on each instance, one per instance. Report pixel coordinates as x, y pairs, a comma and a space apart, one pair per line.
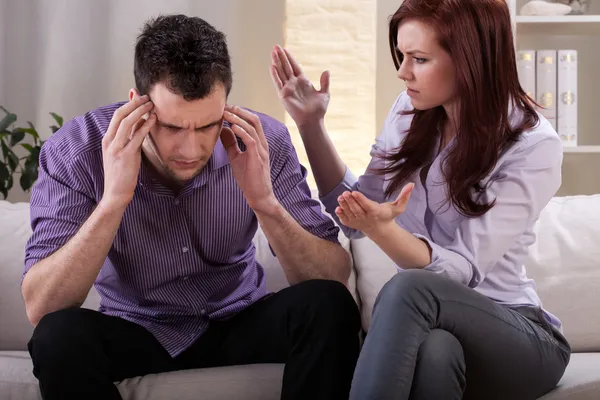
478, 36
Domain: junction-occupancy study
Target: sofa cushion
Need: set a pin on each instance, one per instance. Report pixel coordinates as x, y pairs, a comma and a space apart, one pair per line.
258, 381
15, 328
581, 380
373, 269
565, 264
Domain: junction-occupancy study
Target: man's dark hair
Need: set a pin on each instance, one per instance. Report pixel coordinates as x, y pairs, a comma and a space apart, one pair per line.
187, 54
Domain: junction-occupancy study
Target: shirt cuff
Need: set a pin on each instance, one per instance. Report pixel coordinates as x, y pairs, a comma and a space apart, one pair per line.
447, 263
348, 184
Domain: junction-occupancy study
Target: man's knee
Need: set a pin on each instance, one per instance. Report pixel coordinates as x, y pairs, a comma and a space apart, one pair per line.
331, 302
60, 331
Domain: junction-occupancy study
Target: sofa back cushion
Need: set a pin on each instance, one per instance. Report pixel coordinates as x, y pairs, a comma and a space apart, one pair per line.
15, 329
564, 262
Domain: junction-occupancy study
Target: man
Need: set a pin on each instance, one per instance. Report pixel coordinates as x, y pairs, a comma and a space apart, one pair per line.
156, 201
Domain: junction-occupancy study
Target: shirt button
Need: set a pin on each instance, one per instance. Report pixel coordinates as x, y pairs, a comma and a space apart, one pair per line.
185, 249
203, 312
176, 202
185, 278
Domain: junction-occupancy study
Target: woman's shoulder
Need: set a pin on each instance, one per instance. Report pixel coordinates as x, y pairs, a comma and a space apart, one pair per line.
537, 146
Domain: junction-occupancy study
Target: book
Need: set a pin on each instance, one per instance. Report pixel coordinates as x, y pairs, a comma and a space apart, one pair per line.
567, 101
546, 84
526, 71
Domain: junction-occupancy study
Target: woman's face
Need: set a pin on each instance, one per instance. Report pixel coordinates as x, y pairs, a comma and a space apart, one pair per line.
427, 68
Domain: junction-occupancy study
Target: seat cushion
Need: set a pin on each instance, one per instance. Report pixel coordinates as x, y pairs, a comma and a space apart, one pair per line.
581, 380
258, 381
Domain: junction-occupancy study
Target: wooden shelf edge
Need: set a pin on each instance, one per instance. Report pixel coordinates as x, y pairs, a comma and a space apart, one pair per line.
561, 19
582, 149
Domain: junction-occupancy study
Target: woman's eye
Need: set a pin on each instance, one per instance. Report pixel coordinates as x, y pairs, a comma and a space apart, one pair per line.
420, 60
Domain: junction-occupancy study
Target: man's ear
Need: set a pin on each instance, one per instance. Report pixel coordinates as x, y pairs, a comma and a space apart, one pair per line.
132, 93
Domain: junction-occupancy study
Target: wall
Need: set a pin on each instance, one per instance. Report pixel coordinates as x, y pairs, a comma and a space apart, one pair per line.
69, 56
344, 43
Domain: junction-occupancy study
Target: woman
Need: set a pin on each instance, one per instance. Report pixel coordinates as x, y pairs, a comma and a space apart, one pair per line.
459, 174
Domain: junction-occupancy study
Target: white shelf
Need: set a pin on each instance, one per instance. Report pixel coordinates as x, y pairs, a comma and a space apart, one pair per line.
582, 149
559, 19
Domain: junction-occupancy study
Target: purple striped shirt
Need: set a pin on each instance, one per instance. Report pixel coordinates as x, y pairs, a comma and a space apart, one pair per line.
177, 261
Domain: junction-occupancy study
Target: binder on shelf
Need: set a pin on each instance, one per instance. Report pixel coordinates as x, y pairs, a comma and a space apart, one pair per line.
567, 101
546, 84
526, 71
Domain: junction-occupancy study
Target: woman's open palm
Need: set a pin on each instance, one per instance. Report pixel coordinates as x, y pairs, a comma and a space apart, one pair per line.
301, 100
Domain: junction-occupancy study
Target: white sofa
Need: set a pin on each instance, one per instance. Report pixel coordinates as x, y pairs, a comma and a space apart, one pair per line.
565, 262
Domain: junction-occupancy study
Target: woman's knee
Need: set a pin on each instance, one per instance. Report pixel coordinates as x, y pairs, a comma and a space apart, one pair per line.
406, 284
442, 349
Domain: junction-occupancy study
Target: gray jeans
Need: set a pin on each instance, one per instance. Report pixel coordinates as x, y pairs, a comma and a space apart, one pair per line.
433, 338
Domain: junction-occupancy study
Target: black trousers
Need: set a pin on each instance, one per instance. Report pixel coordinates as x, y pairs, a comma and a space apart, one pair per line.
313, 327
432, 338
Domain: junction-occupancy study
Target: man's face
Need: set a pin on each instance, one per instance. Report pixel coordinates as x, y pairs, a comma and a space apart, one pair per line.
185, 132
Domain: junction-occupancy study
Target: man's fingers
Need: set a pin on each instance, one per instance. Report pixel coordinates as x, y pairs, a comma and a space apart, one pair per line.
297, 70
275, 78
251, 119
229, 142
251, 145
138, 136
123, 112
127, 124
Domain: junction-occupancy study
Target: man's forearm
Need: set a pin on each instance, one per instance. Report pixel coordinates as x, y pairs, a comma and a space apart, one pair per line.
303, 255
64, 279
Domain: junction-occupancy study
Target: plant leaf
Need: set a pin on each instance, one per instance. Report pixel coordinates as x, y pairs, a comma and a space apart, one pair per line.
30, 173
54, 128
57, 118
3, 190
16, 137
35, 156
7, 121
32, 131
27, 147
13, 160
4, 173
5, 149
9, 184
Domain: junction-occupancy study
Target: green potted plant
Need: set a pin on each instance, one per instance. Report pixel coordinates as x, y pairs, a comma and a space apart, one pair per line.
10, 163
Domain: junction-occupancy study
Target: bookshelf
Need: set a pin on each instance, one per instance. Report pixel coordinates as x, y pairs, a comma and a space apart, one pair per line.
582, 34
574, 32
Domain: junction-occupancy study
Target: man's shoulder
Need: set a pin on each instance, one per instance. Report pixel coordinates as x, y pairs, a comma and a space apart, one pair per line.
83, 133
